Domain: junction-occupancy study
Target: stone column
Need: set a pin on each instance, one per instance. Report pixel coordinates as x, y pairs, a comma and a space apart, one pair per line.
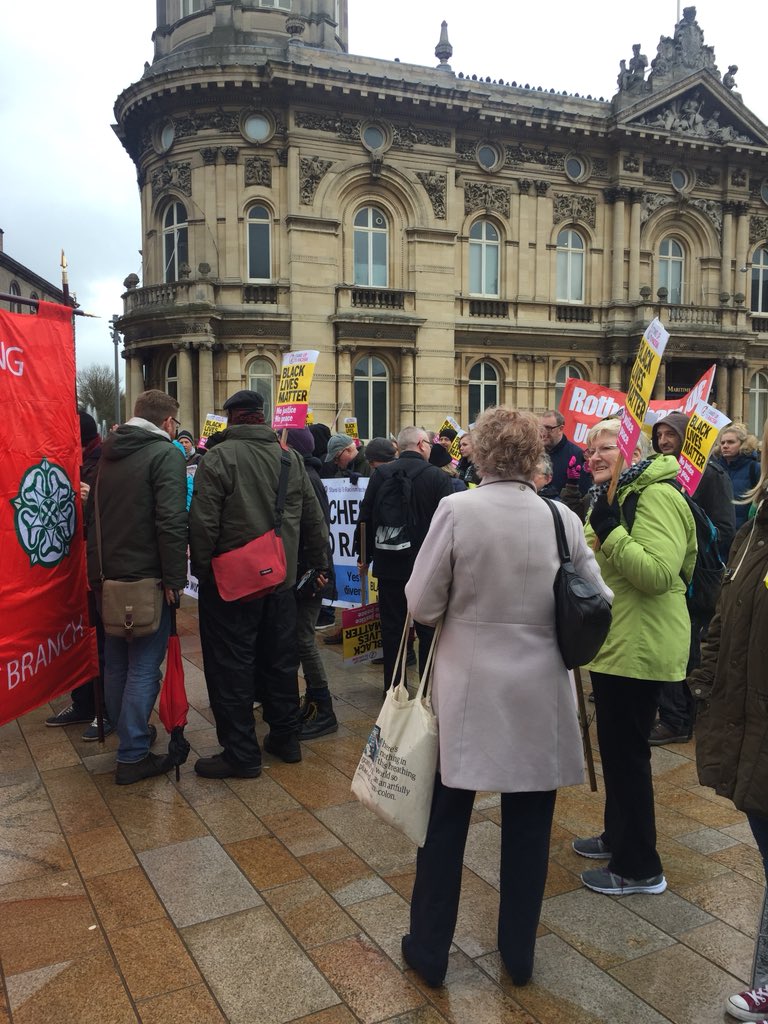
604, 363
614, 377
134, 380
635, 211
617, 197
742, 238
344, 393
726, 259
540, 390
721, 385
523, 386
204, 379
660, 387
736, 402
186, 392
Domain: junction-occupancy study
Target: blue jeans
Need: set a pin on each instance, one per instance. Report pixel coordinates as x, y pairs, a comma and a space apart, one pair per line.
131, 686
759, 826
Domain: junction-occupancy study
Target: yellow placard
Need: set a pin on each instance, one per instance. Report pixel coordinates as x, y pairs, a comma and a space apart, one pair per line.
350, 427
213, 424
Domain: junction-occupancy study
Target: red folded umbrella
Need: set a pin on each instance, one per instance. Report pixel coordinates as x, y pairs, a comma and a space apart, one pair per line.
173, 700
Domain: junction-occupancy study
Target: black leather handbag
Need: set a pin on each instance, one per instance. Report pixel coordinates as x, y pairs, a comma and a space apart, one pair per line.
582, 612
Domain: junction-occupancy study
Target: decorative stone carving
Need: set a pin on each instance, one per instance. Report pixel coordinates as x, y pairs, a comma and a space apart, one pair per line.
344, 127
230, 154
599, 167
282, 157
568, 206
172, 175
312, 170
758, 228
542, 187
656, 170
651, 202
712, 210
408, 136
708, 176
465, 149
524, 184
631, 163
223, 121
695, 116
677, 57
258, 171
210, 155
436, 187
635, 73
739, 178
518, 154
728, 78
481, 195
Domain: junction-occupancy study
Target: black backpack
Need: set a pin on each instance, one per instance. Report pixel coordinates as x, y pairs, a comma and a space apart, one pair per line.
703, 589
393, 513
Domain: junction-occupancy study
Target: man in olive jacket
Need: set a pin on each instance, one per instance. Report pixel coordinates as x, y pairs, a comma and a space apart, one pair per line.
140, 498
249, 647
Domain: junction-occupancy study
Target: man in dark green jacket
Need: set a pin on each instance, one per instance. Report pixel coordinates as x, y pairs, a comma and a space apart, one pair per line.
140, 499
249, 647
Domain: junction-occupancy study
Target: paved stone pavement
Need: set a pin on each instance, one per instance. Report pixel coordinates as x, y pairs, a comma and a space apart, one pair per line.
282, 899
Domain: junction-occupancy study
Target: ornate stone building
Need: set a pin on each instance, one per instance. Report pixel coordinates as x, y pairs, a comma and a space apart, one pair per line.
445, 242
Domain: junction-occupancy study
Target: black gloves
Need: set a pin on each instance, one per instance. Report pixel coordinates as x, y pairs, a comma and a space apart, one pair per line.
604, 518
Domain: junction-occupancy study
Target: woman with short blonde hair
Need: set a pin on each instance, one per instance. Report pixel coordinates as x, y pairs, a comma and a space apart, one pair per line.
506, 711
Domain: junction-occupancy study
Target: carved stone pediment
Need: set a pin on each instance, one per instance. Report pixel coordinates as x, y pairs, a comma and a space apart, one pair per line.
696, 114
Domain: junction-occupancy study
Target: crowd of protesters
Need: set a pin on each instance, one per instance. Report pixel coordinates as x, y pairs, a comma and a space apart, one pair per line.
468, 543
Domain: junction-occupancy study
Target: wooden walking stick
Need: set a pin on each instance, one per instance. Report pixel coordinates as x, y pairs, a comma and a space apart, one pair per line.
584, 721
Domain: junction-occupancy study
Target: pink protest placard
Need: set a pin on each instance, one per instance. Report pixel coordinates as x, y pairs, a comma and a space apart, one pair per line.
702, 431
292, 403
641, 382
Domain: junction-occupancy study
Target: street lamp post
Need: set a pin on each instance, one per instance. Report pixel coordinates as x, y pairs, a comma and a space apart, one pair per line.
116, 342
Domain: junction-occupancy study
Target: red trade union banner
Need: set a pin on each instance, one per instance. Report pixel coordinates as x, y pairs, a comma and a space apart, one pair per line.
46, 643
584, 404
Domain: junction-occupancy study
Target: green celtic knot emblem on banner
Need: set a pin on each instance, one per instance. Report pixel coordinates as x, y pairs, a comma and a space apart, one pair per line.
46, 517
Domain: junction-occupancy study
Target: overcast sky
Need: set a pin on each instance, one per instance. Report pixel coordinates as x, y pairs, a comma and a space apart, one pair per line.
68, 183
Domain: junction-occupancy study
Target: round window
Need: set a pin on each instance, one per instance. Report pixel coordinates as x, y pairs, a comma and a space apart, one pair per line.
575, 168
257, 128
487, 157
165, 137
374, 137
679, 179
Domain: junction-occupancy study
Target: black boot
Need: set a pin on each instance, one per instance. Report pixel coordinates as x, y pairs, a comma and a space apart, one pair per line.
317, 719
286, 747
126, 773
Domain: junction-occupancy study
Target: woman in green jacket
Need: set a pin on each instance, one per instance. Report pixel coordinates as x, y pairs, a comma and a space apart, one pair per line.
645, 565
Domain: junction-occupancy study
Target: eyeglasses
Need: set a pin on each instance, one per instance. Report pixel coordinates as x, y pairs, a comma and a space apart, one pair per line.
550, 427
602, 451
177, 422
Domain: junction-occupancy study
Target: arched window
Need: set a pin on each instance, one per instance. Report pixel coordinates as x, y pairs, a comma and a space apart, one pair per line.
190, 7
172, 377
483, 259
562, 375
371, 245
759, 301
758, 403
15, 307
483, 389
261, 378
570, 266
672, 270
36, 298
371, 383
175, 241
259, 244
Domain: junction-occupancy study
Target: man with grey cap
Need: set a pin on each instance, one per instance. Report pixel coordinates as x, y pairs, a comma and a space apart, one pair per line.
343, 459
250, 646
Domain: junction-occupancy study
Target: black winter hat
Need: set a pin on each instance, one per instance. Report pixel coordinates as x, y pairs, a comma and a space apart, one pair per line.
88, 428
440, 456
250, 401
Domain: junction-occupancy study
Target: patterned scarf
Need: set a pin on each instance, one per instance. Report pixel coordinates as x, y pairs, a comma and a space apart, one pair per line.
627, 476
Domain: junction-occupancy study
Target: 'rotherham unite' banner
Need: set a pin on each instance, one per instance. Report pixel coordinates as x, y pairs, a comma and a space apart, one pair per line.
46, 644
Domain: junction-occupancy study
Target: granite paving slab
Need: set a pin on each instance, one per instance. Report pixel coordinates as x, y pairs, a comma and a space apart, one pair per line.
197, 881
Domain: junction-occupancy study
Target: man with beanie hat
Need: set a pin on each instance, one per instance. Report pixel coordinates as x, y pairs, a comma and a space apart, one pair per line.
317, 716
82, 710
251, 645
715, 496
187, 442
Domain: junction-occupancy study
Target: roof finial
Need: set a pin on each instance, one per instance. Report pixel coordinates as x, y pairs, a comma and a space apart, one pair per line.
444, 50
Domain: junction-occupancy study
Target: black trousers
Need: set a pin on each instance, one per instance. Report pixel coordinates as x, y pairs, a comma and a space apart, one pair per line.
677, 706
625, 710
83, 697
248, 649
393, 609
526, 824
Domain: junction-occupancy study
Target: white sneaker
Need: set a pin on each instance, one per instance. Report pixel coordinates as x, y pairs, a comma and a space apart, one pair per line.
751, 1005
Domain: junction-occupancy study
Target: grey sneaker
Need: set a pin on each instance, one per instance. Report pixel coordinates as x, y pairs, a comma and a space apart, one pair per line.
603, 880
594, 848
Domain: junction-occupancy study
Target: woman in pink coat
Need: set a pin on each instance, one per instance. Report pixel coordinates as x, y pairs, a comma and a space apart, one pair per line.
503, 697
